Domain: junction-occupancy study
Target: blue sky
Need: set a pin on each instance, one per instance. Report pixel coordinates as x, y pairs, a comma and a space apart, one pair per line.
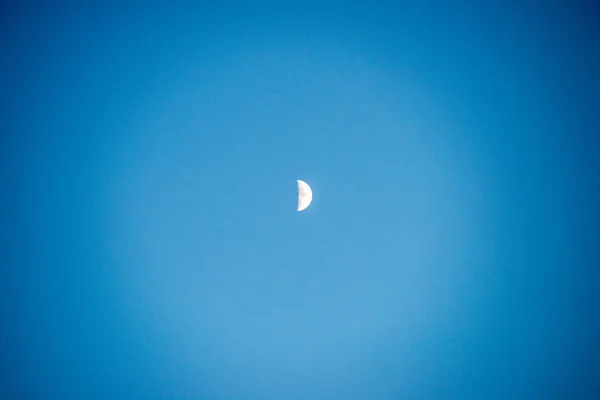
150, 244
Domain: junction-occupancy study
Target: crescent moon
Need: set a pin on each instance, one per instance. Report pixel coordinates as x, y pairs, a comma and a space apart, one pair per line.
304, 195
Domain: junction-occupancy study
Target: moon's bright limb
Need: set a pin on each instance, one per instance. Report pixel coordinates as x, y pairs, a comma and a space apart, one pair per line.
304, 195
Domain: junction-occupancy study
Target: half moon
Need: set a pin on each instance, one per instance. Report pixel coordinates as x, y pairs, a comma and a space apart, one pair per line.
304, 195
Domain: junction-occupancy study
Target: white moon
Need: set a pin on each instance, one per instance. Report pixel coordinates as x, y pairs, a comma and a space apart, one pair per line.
304, 195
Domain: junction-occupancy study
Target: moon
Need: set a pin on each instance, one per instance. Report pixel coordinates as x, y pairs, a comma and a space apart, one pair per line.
304, 195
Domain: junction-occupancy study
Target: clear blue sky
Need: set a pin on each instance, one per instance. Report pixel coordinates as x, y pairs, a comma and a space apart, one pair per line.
150, 244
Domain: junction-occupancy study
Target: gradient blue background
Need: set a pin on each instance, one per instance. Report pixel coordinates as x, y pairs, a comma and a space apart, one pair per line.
150, 243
